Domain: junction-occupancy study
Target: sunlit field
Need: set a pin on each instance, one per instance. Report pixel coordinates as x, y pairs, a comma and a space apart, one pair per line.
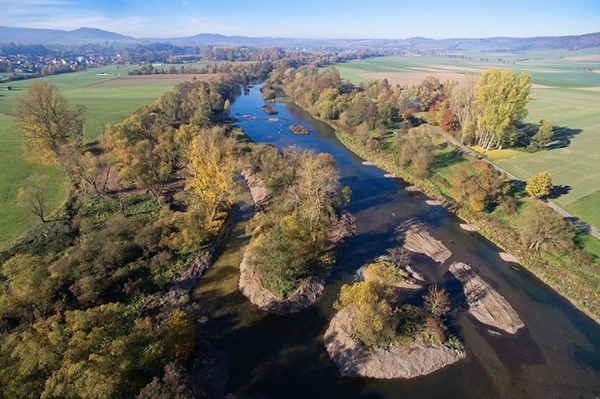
564, 91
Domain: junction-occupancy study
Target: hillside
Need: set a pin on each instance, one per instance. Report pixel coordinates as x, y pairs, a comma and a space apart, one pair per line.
93, 35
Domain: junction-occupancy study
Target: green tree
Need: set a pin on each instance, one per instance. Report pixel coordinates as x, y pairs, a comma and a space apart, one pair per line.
544, 135
500, 101
539, 185
416, 151
543, 227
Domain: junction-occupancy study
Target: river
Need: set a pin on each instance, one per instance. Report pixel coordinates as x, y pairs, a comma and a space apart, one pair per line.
557, 355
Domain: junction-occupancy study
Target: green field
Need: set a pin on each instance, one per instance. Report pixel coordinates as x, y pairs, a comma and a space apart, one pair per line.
107, 99
563, 93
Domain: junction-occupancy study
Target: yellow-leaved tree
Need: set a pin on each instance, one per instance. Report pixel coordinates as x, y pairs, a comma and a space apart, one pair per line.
210, 171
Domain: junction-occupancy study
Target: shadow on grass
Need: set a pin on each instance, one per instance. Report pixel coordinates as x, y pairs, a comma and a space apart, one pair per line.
447, 159
558, 191
562, 137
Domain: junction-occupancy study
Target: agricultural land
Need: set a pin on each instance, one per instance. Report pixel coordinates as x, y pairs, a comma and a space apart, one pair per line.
565, 90
108, 95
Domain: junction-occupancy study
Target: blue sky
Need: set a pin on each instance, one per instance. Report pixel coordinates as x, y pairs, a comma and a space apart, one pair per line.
394, 19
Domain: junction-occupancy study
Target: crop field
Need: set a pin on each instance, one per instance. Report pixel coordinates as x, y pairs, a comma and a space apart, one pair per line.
107, 94
564, 92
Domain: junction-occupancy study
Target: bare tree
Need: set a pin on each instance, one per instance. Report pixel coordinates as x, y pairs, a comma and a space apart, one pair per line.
33, 196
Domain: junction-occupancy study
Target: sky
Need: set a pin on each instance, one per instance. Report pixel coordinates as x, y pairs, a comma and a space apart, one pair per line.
324, 19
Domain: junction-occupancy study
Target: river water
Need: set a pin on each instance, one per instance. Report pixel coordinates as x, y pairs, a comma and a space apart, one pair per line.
557, 355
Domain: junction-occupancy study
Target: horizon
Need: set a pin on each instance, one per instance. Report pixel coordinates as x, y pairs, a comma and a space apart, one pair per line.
297, 38
380, 19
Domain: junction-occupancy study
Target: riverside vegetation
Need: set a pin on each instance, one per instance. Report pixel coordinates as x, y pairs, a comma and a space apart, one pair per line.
379, 122
84, 309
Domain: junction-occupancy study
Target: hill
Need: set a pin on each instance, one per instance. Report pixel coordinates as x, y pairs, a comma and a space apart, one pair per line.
93, 35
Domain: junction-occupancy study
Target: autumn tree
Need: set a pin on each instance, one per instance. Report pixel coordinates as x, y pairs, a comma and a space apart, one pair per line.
539, 185
479, 185
375, 322
544, 135
49, 127
500, 101
462, 98
27, 288
362, 110
33, 196
143, 150
210, 172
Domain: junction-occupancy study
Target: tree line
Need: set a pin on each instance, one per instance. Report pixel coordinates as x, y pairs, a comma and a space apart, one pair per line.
380, 122
75, 290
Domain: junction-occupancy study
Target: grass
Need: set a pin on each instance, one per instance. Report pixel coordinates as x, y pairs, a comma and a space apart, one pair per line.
564, 93
107, 99
496, 155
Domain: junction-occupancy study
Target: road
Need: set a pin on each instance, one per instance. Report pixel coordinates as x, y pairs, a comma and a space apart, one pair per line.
469, 152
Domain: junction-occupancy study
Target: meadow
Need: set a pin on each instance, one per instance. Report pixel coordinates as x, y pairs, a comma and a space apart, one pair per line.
564, 92
108, 96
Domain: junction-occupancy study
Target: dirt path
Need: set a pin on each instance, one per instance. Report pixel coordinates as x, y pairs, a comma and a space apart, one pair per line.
465, 150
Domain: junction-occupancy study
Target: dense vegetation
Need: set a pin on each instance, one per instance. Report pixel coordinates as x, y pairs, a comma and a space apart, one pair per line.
381, 321
81, 308
290, 236
376, 120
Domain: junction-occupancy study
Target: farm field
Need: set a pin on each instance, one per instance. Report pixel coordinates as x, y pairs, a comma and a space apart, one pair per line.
563, 93
107, 94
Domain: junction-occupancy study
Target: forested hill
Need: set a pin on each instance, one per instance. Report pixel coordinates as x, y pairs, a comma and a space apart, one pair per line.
92, 35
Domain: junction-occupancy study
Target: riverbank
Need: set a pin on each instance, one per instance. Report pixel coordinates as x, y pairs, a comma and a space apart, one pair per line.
569, 282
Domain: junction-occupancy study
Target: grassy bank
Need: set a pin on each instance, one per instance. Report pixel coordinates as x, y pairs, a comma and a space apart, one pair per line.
107, 94
578, 282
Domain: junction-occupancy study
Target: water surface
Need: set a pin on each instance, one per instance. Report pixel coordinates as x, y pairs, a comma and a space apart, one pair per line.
557, 355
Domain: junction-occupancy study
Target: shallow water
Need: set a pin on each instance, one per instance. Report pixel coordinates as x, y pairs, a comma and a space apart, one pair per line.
557, 355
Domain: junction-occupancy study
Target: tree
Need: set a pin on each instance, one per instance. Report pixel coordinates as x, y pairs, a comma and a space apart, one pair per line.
32, 196
211, 169
462, 99
46, 122
539, 185
144, 150
28, 288
541, 226
375, 322
479, 185
500, 101
544, 135
283, 255
416, 151
437, 302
